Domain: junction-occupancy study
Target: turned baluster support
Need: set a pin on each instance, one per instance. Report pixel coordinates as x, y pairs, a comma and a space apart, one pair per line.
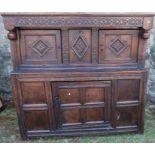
145, 34
12, 35
147, 25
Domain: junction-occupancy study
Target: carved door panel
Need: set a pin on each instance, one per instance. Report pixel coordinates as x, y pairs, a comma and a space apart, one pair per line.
80, 46
118, 46
128, 90
127, 99
40, 47
36, 120
35, 111
126, 116
82, 104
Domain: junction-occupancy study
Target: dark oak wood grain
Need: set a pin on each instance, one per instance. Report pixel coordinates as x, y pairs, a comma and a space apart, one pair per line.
78, 74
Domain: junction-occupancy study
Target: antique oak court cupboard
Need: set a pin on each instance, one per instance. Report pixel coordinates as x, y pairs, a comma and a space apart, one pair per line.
78, 74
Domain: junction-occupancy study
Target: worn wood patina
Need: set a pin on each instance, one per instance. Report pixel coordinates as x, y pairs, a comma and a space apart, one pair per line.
79, 74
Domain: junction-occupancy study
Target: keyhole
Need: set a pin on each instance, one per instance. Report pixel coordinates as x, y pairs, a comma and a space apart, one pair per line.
69, 94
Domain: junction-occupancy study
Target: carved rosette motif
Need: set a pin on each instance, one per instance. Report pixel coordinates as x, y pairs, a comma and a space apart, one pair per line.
117, 46
40, 48
80, 46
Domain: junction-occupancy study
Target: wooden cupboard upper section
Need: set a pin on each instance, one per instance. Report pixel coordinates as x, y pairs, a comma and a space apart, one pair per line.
78, 41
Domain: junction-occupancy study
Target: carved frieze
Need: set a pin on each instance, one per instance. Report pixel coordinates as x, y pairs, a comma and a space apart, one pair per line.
28, 21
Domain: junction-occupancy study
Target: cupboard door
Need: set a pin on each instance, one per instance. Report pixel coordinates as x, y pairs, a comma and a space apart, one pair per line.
40, 47
118, 47
82, 104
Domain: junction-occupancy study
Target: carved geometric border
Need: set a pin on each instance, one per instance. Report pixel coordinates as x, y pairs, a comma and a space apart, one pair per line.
19, 21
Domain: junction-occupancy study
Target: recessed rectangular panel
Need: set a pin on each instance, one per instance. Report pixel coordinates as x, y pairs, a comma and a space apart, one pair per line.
95, 94
40, 47
69, 95
128, 90
70, 116
80, 46
125, 116
94, 114
33, 92
118, 46
36, 120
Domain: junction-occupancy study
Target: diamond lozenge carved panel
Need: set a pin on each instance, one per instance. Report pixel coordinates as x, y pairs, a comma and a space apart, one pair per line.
117, 46
40, 48
80, 47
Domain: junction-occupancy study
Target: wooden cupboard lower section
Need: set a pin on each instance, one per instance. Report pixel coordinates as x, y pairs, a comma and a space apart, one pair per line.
56, 106
81, 104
